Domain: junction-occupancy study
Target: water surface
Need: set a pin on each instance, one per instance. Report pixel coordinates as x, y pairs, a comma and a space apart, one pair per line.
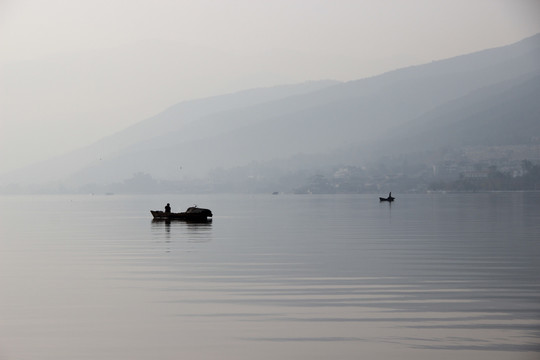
287, 276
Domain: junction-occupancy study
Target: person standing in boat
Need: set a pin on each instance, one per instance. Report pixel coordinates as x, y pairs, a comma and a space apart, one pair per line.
168, 209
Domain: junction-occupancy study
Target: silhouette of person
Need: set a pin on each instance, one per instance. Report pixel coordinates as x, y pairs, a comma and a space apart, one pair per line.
167, 209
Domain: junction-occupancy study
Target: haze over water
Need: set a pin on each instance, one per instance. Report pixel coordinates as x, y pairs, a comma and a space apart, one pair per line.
287, 276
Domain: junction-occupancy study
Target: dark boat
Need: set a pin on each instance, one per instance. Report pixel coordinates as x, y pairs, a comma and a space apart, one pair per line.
390, 198
191, 214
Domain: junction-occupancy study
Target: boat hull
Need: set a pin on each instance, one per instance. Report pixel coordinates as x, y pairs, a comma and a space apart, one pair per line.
191, 214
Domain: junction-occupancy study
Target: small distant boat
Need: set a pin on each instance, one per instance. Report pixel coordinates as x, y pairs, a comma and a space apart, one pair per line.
193, 213
390, 198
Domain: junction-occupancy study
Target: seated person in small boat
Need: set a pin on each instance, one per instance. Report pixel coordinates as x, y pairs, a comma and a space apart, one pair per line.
167, 209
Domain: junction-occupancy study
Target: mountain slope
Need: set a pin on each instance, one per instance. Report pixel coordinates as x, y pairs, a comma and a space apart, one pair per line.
170, 120
179, 144
355, 113
504, 114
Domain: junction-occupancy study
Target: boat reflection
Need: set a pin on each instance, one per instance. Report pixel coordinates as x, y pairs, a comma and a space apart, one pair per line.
193, 231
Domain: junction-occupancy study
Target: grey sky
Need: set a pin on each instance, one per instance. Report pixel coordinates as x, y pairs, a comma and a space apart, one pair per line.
74, 71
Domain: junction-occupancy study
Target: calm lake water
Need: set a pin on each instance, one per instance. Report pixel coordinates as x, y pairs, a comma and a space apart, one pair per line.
432, 276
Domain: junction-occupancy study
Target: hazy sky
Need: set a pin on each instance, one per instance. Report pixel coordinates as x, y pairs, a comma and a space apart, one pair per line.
74, 71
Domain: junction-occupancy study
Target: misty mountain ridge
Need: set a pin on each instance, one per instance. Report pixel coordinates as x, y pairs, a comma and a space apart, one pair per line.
484, 98
507, 113
172, 119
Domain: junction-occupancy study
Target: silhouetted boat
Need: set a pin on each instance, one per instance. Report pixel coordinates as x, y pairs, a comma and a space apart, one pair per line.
191, 214
390, 198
